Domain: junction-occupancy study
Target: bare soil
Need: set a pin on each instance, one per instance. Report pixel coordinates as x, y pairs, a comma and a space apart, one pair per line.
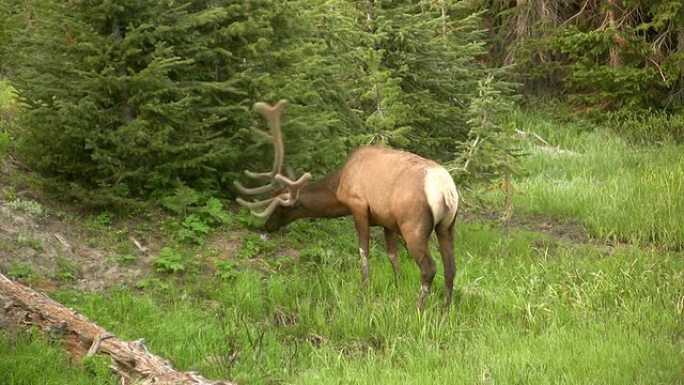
564, 230
52, 252
49, 251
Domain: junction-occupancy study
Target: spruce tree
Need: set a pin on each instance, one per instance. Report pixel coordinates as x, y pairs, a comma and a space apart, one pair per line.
128, 98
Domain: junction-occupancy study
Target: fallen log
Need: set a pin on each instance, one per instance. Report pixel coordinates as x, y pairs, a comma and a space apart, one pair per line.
131, 360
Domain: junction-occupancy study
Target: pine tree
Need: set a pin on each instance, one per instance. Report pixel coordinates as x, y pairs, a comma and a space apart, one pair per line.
129, 98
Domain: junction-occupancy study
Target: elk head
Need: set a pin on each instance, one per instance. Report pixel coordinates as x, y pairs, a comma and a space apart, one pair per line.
285, 191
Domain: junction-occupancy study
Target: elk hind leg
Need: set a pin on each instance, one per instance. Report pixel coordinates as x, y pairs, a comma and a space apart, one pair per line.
417, 244
445, 237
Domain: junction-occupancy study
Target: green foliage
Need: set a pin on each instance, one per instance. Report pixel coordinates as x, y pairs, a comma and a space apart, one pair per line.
620, 192
24, 241
193, 229
630, 84
8, 107
528, 307
199, 214
136, 98
492, 148
103, 220
648, 128
125, 259
598, 55
27, 206
226, 269
142, 99
20, 270
27, 359
254, 246
67, 270
170, 261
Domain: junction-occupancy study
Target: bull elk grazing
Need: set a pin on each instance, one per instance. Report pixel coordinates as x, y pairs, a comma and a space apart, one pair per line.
400, 191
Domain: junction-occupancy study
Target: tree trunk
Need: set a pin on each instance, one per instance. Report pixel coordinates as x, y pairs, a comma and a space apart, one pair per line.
23, 307
614, 55
520, 29
679, 91
376, 85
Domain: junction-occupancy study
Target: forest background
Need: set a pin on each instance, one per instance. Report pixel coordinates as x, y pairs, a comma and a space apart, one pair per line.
123, 101
123, 125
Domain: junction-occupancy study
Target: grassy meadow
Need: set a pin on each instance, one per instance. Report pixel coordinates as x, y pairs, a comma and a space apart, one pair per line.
530, 307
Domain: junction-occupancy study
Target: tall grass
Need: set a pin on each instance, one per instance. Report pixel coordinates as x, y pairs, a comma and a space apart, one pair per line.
617, 190
528, 309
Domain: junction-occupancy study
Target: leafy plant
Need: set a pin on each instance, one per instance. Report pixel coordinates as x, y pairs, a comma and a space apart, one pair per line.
66, 269
253, 246
102, 220
24, 241
27, 206
20, 270
226, 269
193, 229
170, 261
200, 214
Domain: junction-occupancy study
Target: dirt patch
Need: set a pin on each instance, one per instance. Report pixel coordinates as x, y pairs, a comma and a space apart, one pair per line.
48, 252
568, 231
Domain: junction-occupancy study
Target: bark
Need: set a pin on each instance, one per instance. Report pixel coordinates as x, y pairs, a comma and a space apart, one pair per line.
521, 29
371, 29
26, 308
615, 54
679, 91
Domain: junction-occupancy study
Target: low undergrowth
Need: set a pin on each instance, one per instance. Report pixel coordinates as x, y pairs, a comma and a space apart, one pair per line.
289, 308
529, 308
619, 191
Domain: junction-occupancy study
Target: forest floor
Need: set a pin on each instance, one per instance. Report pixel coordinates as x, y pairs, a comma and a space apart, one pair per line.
583, 283
50, 250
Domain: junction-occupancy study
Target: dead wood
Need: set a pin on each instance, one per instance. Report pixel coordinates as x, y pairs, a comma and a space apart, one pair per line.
24, 307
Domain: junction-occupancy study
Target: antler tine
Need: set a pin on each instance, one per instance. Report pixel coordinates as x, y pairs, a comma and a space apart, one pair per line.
254, 190
293, 184
291, 187
273, 203
272, 116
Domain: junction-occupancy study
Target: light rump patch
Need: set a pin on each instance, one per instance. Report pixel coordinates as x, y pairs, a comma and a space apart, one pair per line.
441, 194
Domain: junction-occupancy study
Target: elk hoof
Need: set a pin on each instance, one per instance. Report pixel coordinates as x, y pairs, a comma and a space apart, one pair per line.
420, 303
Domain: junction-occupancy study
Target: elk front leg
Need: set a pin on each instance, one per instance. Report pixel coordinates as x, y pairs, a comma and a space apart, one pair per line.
391, 241
363, 230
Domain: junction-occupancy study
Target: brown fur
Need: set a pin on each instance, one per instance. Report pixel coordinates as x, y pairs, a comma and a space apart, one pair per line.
381, 187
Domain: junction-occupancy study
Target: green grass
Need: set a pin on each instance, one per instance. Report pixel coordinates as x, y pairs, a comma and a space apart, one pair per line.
29, 359
529, 309
619, 191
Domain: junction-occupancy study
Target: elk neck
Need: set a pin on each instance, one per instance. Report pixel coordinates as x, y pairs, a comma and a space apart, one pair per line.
319, 199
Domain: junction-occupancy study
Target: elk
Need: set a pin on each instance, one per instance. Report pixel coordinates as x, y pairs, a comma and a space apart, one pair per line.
404, 193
